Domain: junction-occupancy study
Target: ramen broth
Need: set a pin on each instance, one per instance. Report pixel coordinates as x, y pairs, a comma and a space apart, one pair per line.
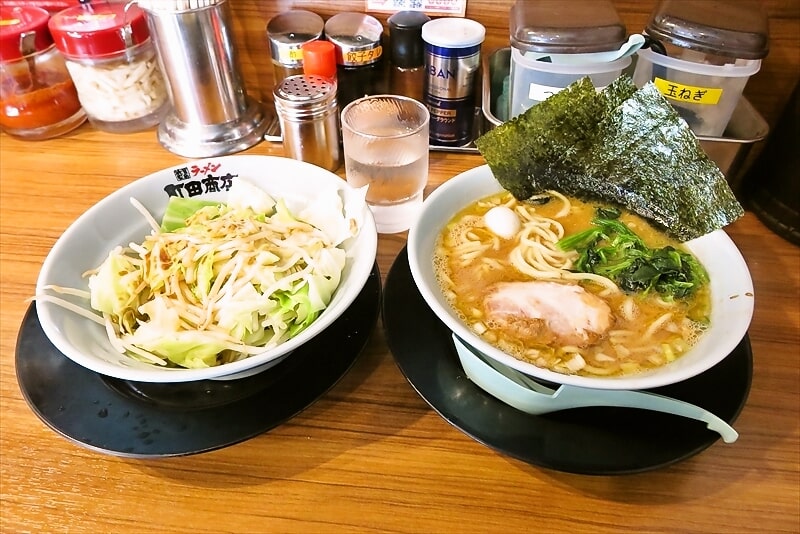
646, 332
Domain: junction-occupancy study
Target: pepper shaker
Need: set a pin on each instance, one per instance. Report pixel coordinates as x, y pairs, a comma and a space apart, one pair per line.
211, 113
309, 117
452, 65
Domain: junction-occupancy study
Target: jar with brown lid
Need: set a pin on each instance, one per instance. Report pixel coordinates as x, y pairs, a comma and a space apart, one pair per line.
38, 99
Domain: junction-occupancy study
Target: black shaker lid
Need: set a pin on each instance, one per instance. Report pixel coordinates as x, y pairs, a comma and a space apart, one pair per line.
405, 36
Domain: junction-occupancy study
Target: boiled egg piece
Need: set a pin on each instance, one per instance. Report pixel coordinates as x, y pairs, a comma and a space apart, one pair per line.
502, 221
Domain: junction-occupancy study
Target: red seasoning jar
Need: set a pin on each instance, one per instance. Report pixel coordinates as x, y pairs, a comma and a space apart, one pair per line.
37, 97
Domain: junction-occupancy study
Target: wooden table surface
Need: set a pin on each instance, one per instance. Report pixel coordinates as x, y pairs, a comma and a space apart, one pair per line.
370, 455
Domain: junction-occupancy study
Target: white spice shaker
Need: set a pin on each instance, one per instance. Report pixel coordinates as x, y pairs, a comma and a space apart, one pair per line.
112, 62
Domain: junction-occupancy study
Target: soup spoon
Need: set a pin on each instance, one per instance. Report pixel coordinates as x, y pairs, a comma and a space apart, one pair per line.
518, 390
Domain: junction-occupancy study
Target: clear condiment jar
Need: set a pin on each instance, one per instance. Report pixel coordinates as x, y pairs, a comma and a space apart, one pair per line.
113, 63
287, 33
357, 38
37, 97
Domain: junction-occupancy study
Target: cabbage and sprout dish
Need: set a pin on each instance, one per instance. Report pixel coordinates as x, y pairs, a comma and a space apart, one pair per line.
572, 287
216, 282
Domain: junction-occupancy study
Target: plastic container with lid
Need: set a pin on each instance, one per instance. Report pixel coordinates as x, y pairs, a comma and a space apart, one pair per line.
545, 31
712, 48
37, 97
113, 63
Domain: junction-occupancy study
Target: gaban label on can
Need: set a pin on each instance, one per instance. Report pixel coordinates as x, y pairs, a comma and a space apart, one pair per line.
449, 92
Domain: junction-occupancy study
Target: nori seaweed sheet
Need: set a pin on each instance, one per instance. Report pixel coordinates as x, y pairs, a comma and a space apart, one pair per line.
534, 148
622, 145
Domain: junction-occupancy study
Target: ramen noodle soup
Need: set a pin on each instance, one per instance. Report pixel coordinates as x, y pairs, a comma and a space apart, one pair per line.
520, 292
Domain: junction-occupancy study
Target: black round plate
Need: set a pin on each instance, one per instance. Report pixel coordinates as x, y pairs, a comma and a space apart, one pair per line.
595, 441
140, 420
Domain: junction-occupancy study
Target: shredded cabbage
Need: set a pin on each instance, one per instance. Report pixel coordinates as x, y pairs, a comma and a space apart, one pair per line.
217, 282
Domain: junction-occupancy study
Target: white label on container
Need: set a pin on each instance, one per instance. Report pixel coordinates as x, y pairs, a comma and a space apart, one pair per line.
541, 92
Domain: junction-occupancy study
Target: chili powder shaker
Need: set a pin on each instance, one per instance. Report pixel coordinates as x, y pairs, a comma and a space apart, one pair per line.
319, 57
38, 99
309, 119
211, 113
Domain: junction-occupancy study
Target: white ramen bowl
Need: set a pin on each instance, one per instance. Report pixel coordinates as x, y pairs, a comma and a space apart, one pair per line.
731, 292
114, 221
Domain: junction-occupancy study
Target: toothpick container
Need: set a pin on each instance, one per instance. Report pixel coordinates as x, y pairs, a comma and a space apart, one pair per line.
211, 113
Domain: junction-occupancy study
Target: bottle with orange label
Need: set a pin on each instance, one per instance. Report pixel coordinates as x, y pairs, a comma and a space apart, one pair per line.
288, 32
357, 38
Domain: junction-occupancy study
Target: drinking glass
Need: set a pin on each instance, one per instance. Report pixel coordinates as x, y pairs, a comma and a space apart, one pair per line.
385, 139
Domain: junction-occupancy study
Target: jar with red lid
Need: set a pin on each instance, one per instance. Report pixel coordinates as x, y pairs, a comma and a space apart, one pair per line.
38, 99
113, 63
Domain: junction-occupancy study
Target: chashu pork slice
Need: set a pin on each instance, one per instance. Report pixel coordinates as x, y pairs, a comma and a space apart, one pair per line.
548, 312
